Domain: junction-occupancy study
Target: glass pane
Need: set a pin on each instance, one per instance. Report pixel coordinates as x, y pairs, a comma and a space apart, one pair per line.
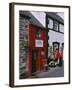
50, 25
55, 26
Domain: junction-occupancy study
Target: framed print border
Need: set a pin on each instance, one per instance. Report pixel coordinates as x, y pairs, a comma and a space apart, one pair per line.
12, 42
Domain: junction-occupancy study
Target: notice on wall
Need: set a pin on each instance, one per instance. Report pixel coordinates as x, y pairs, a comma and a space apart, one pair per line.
38, 43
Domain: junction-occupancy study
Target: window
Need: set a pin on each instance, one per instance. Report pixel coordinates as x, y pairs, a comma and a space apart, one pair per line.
55, 25
61, 28
55, 46
50, 24
38, 33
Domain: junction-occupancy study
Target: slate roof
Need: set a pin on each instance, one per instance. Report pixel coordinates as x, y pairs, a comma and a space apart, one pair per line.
55, 16
33, 20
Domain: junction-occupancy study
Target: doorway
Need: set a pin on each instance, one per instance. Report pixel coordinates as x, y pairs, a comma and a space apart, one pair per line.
56, 45
34, 60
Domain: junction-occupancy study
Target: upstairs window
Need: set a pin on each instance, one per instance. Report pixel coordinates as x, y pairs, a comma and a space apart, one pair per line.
55, 25
50, 23
61, 28
38, 33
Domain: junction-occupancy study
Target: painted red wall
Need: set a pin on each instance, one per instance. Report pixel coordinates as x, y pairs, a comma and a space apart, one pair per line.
32, 37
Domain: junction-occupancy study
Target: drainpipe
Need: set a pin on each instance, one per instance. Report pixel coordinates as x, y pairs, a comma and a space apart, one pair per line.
47, 37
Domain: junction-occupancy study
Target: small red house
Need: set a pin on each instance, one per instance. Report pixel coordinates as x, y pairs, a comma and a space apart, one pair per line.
37, 48
36, 40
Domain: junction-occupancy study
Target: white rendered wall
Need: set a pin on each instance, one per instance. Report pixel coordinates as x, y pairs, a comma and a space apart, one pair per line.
55, 37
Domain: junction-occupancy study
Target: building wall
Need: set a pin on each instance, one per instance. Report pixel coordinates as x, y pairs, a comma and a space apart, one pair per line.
23, 43
55, 37
50, 25
32, 37
27, 37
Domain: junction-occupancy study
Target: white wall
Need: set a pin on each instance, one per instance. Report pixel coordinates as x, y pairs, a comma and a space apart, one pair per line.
50, 25
55, 37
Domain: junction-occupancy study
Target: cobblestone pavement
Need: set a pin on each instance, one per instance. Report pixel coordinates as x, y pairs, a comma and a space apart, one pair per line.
53, 72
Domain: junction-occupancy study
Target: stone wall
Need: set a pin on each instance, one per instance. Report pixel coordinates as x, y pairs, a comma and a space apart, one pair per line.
23, 46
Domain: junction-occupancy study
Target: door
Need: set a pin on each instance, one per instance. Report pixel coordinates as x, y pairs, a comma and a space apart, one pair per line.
34, 60
56, 46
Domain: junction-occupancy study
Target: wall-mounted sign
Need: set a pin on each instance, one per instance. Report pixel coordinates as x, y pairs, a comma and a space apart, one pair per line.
38, 43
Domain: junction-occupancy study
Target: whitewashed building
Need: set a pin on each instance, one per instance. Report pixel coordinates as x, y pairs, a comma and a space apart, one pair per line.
55, 26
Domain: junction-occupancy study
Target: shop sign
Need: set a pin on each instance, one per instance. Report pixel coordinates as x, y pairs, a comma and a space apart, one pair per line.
38, 43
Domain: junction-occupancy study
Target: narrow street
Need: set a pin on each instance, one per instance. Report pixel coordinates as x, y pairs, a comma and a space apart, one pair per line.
53, 72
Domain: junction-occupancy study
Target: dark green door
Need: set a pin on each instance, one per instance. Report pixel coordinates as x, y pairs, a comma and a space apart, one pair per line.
34, 59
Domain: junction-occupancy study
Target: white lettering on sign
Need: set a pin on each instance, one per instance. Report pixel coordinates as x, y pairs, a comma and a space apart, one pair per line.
38, 43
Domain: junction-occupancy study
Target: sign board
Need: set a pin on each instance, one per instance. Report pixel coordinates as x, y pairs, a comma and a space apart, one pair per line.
38, 43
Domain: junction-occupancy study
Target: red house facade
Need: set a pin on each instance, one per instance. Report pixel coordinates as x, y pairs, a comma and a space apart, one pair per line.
37, 53
33, 44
